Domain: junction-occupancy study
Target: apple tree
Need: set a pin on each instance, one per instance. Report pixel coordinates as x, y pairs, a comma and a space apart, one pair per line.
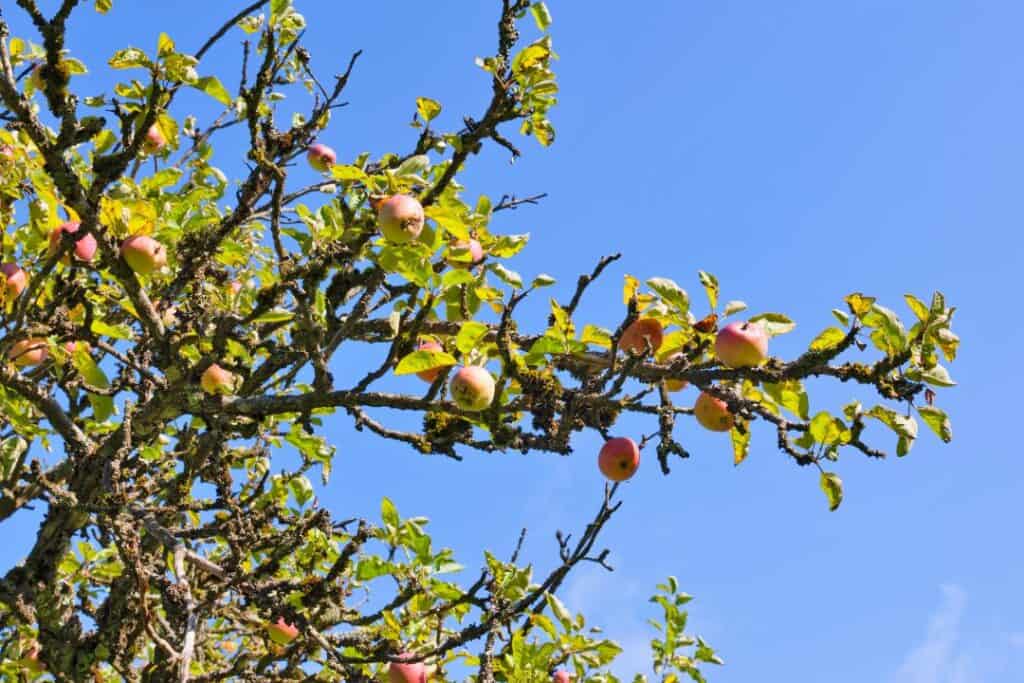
167, 330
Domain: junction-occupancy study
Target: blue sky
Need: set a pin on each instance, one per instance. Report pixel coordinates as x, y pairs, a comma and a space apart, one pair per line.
799, 151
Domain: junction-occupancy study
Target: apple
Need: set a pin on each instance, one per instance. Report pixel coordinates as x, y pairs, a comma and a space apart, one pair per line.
561, 676
321, 157
407, 672
30, 661
217, 380
476, 253
14, 281
674, 384
472, 388
636, 336
235, 286
143, 254
155, 140
742, 344
401, 218
281, 632
619, 458
712, 413
28, 352
429, 376
84, 249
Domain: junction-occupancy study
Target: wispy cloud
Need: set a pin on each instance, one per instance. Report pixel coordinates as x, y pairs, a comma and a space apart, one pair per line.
937, 658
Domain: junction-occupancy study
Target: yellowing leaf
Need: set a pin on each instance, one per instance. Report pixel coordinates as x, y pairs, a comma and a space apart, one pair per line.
423, 360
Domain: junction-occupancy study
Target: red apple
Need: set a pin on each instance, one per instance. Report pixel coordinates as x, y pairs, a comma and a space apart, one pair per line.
217, 380
712, 413
619, 458
407, 672
476, 253
472, 388
401, 218
84, 249
561, 676
742, 345
641, 331
321, 157
281, 632
14, 281
429, 376
155, 140
27, 352
143, 254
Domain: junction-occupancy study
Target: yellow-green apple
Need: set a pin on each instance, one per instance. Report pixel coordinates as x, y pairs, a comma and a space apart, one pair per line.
84, 249
472, 388
472, 248
30, 660
27, 352
217, 380
321, 157
431, 375
400, 218
143, 254
14, 281
639, 333
155, 140
742, 344
407, 672
561, 676
712, 413
675, 384
619, 458
281, 632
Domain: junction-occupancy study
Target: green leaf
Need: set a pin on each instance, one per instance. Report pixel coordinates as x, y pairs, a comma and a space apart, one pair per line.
389, 513
349, 174
938, 376
509, 277
740, 444
427, 108
938, 421
893, 336
559, 610
832, 485
421, 361
469, 336
277, 8
457, 276
917, 306
102, 406
541, 15
114, 331
904, 426
130, 58
734, 307
103, 6
828, 339
826, 429
212, 86
275, 315
859, 304
710, 283
671, 293
414, 166
11, 449
164, 45
791, 395
542, 280
946, 340
598, 336
774, 323
842, 316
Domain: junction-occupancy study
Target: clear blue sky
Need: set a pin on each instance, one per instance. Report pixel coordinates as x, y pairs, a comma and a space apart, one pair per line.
800, 151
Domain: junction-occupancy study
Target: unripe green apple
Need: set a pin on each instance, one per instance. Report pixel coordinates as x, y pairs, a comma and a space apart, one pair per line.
155, 140
281, 632
712, 413
14, 281
742, 345
217, 380
619, 458
561, 676
27, 352
407, 672
639, 333
143, 254
84, 249
472, 388
400, 218
475, 251
321, 157
431, 375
